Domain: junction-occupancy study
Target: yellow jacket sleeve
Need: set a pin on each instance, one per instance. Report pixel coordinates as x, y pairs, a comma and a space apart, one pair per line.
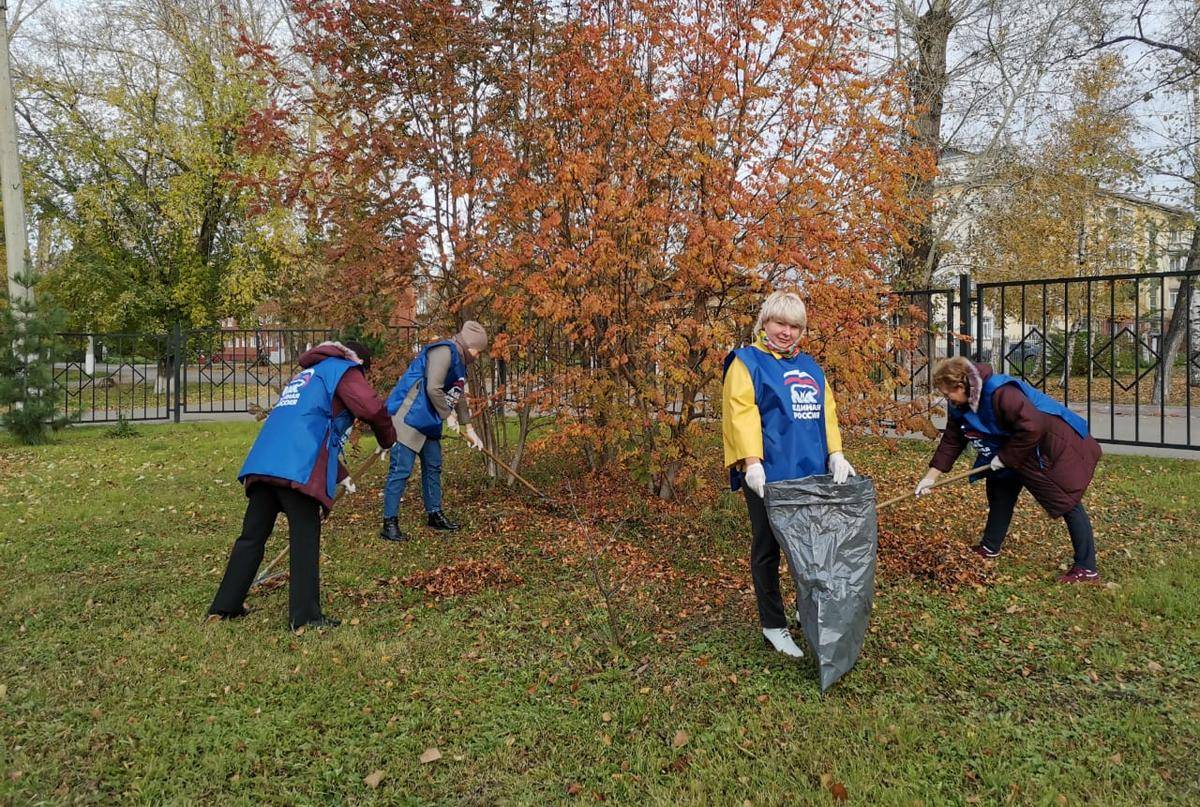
833, 434
741, 423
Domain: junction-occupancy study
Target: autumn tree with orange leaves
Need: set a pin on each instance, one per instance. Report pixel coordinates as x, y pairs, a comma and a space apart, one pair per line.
612, 188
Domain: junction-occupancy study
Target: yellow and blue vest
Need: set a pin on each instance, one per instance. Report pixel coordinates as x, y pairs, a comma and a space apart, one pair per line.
790, 397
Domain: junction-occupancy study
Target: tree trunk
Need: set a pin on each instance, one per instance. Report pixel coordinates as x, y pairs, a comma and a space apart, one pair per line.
927, 82
16, 239
1177, 330
1069, 336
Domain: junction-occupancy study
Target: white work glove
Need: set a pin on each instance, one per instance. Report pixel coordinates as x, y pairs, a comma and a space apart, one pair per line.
756, 479
452, 422
926, 484
840, 467
996, 464
348, 484
472, 438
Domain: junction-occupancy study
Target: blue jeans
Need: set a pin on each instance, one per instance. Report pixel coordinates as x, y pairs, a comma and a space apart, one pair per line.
401, 467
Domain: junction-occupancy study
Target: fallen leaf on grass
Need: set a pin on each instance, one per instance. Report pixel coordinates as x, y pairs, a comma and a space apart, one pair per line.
680, 740
838, 791
574, 788
374, 779
1154, 667
467, 577
430, 755
680, 765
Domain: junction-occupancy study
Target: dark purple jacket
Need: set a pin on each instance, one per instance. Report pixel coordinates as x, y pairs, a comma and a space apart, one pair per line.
353, 393
1068, 461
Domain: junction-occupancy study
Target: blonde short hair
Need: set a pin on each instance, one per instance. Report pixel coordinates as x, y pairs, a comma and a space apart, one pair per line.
783, 306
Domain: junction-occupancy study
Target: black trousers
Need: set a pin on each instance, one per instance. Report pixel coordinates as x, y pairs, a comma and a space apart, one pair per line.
1002, 497
764, 564
304, 532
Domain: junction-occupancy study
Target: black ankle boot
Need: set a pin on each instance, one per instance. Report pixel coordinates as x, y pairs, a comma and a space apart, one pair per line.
221, 616
438, 520
391, 530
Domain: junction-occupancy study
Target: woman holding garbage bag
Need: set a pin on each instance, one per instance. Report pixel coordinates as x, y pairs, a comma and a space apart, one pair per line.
779, 421
1029, 441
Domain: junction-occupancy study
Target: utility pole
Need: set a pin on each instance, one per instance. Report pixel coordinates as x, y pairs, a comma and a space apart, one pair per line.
13, 194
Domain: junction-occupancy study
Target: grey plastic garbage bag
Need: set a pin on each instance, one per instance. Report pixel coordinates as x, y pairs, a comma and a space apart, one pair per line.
828, 532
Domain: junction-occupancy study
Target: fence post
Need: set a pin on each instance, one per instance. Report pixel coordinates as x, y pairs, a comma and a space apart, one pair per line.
964, 312
978, 323
177, 356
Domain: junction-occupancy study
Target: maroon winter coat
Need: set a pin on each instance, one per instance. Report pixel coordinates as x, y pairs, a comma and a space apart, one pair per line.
353, 393
1068, 461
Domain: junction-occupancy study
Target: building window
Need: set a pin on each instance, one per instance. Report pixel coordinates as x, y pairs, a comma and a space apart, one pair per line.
1178, 262
1120, 258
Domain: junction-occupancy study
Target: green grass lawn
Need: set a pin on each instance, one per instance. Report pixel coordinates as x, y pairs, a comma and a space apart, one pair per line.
1013, 689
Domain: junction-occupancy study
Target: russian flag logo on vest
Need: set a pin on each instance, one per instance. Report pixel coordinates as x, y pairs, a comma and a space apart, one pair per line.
805, 393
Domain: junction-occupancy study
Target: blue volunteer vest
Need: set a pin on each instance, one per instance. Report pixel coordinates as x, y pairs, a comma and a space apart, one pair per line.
790, 395
984, 423
300, 425
421, 415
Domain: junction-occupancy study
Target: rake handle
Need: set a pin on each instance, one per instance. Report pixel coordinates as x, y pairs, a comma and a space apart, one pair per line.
510, 471
359, 471
945, 480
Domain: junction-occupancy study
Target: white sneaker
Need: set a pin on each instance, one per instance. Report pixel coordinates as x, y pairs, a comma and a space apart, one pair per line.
781, 640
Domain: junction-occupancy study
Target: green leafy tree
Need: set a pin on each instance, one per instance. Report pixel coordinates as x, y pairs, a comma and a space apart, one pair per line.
133, 114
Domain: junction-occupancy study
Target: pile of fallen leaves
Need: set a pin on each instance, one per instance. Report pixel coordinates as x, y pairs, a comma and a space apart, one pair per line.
946, 563
459, 579
925, 540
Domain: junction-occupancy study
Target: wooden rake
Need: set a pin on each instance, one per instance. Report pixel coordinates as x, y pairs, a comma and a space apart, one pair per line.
945, 480
541, 494
363, 467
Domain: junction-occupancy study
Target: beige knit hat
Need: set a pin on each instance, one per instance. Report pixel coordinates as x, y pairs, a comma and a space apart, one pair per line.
473, 336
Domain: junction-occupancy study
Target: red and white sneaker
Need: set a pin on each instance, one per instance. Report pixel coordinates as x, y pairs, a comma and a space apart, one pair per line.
1078, 574
985, 553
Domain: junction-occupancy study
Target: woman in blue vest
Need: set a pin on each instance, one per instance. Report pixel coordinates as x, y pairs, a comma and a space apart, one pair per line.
1028, 441
429, 394
293, 468
779, 421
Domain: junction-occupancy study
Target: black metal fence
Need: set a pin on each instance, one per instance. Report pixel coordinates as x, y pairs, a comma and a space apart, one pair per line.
106, 377
1122, 350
